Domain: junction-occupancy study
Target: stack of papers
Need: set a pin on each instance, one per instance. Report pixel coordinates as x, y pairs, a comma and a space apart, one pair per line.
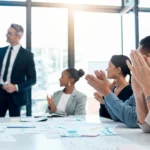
33, 119
50, 115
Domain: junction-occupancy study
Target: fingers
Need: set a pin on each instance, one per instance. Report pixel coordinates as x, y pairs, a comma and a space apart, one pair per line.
134, 59
137, 59
98, 74
140, 58
103, 75
91, 79
49, 99
147, 60
129, 65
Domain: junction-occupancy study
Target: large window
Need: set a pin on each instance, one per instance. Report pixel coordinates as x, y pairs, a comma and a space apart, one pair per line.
14, 0
128, 33
8, 16
144, 3
96, 2
97, 38
144, 25
50, 48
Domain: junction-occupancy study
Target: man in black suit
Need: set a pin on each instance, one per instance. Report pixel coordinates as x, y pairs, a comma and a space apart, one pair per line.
17, 73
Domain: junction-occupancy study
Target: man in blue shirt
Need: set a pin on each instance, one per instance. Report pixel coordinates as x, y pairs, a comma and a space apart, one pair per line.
119, 110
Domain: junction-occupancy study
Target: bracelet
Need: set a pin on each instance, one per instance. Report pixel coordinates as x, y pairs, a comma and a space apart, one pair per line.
148, 99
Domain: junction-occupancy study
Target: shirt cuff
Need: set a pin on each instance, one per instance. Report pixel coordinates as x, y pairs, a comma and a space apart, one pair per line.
16, 87
147, 119
145, 127
110, 98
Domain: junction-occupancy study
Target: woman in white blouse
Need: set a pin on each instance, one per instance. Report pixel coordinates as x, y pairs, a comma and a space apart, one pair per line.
68, 101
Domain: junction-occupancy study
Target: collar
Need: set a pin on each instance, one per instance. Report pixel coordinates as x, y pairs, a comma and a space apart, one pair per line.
16, 47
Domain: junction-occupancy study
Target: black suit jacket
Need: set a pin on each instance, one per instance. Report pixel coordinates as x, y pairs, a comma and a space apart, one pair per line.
23, 74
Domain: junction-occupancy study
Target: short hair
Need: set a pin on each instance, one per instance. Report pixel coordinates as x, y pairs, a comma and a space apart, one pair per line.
18, 28
145, 43
75, 74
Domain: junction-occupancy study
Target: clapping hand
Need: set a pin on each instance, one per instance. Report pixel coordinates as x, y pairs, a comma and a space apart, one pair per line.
98, 97
51, 103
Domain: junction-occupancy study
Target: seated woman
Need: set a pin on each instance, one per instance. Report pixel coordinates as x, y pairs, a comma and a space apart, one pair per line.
117, 70
68, 101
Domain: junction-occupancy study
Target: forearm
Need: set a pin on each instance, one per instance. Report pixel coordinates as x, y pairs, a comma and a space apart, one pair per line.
113, 116
53, 108
141, 108
26, 84
148, 105
147, 93
106, 91
125, 111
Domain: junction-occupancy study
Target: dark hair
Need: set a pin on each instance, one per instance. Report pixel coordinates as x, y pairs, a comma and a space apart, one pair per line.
75, 74
145, 43
120, 61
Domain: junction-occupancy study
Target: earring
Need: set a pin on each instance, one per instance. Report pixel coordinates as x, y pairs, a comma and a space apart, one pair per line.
69, 83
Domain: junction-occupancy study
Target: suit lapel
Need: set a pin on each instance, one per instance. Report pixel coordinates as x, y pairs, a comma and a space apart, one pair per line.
57, 98
18, 58
72, 96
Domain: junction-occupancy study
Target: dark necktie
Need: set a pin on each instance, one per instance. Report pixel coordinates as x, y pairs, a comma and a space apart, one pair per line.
7, 65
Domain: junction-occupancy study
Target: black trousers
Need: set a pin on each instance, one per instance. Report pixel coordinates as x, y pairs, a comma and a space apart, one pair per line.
7, 103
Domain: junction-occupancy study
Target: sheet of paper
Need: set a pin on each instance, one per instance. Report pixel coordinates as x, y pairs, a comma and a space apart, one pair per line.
6, 138
86, 144
33, 119
128, 147
52, 135
107, 132
100, 143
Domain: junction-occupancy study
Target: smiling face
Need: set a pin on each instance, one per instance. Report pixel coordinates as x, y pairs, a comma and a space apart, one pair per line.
64, 79
112, 71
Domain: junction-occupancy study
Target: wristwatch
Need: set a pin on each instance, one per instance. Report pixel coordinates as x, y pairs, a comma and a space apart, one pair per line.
148, 99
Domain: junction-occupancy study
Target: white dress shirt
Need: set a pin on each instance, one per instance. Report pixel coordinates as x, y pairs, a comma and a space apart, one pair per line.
14, 53
146, 127
63, 102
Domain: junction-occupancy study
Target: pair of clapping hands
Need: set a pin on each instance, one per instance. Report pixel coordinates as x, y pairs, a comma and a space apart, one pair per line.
140, 69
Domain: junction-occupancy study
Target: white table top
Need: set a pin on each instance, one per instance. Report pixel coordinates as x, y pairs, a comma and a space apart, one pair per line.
40, 142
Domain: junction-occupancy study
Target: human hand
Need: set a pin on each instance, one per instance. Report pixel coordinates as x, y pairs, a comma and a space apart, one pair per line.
98, 97
140, 70
100, 75
51, 103
10, 88
100, 84
137, 89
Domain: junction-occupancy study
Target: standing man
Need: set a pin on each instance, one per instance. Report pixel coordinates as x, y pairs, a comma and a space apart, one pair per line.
17, 73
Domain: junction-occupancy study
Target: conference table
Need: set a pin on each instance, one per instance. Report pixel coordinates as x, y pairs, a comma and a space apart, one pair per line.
34, 141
